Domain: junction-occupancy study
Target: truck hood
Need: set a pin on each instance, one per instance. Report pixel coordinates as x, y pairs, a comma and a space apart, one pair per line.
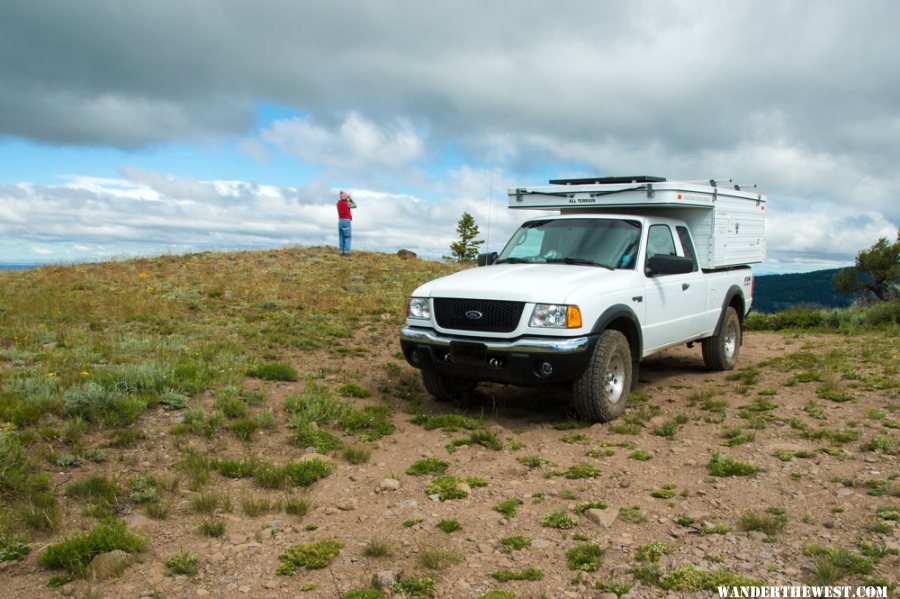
533, 283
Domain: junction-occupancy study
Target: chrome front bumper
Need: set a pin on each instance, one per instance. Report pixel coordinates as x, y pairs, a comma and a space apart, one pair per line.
532, 345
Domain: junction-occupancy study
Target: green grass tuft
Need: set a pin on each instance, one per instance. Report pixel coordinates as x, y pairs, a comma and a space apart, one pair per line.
722, 465
76, 552
312, 556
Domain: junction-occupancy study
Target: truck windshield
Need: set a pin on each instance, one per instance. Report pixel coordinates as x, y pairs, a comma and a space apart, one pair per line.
608, 243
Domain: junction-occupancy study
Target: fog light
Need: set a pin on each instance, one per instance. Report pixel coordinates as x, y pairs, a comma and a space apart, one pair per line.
414, 356
546, 369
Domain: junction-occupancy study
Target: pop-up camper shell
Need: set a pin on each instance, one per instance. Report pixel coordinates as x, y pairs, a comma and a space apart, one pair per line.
727, 224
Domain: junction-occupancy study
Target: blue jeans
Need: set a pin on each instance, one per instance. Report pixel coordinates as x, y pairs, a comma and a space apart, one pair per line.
344, 235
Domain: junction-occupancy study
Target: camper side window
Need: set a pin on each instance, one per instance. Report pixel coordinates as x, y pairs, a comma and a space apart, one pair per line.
660, 242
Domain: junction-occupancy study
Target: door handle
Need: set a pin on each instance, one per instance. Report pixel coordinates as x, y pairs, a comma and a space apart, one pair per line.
684, 286
638, 298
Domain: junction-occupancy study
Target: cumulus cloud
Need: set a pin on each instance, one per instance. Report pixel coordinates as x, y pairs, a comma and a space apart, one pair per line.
150, 213
145, 212
356, 146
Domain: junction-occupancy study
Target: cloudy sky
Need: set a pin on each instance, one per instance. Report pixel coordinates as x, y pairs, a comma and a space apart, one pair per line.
148, 127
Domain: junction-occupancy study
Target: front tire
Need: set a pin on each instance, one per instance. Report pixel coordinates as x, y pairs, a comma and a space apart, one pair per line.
446, 388
600, 395
720, 352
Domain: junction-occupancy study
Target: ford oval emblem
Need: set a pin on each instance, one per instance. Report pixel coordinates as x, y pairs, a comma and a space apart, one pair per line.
474, 314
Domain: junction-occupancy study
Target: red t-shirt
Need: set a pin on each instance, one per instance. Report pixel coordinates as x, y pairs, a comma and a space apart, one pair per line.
344, 210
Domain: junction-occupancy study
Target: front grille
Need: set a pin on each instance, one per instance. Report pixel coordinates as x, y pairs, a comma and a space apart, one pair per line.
496, 316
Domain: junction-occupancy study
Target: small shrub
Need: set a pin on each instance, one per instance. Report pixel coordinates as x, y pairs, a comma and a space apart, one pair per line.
312, 556
666, 492
427, 466
181, 563
172, 400
722, 465
76, 552
439, 558
12, 548
585, 558
449, 525
305, 435
653, 551
632, 514
505, 575
256, 506
212, 527
447, 422
770, 523
485, 438
356, 455
640, 455
143, 490
297, 506
307, 472
670, 427
352, 390
689, 578
243, 428
446, 487
532, 461
94, 488
584, 506
515, 543
274, 371
416, 588
208, 503
508, 507
235, 468
715, 530
579, 471
558, 519
363, 594
377, 548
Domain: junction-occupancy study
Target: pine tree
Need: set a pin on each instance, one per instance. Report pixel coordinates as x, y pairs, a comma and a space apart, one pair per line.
877, 271
466, 249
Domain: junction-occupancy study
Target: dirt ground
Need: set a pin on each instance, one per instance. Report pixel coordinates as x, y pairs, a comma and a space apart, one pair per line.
349, 505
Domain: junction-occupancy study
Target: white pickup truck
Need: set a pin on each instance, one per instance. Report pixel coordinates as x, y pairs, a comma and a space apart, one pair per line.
628, 267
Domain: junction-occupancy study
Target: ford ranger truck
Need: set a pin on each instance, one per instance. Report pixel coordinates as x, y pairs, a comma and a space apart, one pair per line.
578, 298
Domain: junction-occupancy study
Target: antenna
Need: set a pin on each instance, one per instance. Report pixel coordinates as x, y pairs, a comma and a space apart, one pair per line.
490, 205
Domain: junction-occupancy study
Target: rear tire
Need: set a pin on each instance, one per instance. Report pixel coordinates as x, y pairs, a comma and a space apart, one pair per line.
446, 388
720, 352
600, 395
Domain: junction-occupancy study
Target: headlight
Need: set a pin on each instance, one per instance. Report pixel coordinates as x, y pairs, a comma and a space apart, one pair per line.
417, 307
556, 316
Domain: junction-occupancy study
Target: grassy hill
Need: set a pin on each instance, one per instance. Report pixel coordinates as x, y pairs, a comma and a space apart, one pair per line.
244, 423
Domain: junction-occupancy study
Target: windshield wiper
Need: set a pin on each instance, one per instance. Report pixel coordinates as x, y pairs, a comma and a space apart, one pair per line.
512, 261
580, 261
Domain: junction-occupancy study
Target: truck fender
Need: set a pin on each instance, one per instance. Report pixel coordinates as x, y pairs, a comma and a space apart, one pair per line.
733, 291
633, 332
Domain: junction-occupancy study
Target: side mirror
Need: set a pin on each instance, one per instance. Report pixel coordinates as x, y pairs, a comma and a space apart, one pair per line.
669, 265
487, 259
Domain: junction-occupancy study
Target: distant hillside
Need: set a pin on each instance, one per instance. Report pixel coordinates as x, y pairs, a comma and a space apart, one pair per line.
775, 293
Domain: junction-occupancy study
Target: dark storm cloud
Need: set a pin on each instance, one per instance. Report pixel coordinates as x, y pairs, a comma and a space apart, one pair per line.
688, 75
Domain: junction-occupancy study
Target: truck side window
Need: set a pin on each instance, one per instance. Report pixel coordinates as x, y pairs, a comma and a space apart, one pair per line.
687, 245
660, 242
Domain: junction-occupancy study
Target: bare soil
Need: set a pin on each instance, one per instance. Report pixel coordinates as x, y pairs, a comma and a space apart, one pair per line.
349, 507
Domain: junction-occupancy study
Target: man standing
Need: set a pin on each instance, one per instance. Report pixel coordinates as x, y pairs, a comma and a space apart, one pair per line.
344, 220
